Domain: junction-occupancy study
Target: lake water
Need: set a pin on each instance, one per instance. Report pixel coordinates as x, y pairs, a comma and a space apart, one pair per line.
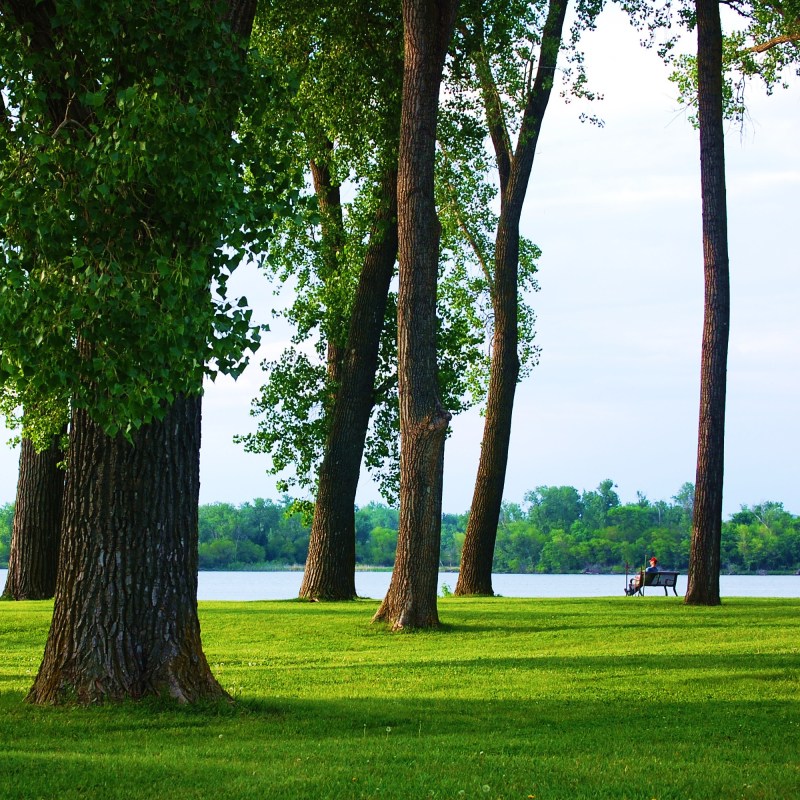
285, 585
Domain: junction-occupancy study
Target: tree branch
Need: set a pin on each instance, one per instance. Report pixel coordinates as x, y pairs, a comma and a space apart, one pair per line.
774, 42
495, 118
468, 235
539, 95
471, 240
736, 5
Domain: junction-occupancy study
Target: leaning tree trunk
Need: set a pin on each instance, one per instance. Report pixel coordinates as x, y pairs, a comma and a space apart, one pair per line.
704, 557
475, 573
33, 560
331, 562
125, 620
514, 169
411, 599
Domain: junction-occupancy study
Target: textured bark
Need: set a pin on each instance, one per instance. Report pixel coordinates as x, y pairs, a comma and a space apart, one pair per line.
411, 599
125, 619
33, 559
475, 574
704, 556
331, 562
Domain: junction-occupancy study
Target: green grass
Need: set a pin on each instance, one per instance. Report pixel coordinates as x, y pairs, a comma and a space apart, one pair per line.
591, 698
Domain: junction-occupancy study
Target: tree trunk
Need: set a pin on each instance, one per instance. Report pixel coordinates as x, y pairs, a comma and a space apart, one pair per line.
331, 562
33, 560
411, 599
704, 557
475, 573
125, 620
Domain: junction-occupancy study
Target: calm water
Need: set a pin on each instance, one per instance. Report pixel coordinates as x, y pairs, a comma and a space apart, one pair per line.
285, 585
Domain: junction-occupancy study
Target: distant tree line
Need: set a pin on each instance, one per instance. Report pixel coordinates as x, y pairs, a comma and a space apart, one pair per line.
556, 529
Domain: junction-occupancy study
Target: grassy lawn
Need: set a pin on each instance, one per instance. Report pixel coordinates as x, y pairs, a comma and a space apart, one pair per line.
591, 698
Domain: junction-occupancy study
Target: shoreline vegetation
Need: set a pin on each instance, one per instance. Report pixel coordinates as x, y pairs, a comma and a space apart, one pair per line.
511, 698
555, 530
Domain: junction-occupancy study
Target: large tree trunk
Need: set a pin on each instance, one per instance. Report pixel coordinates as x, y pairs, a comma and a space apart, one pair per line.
33, 560
704, 557
411, 599
331, 562
125, 620
475, 573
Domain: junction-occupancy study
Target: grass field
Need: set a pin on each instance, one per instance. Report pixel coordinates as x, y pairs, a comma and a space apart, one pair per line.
591, 698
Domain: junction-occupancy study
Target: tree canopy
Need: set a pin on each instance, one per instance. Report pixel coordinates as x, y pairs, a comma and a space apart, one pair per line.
95, 243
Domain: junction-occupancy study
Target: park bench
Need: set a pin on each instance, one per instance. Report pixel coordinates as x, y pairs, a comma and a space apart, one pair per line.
663, 578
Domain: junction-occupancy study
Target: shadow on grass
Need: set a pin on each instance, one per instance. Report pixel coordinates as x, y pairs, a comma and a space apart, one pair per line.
404, 747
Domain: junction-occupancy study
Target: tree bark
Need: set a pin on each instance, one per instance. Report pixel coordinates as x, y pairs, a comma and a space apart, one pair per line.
33, 559
704, 557
125, 619
475, 573
411, 599
331, 562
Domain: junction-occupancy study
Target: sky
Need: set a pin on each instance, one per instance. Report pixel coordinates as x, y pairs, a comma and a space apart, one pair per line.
616, 212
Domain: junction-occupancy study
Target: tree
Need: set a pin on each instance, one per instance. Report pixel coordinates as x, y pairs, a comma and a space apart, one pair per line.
554, 507
33, 557
475, 574
597, 504
127, 208
704, 562
347, 106
762, 43
773, 26
497, 60
330, 566
411, 599
316, 407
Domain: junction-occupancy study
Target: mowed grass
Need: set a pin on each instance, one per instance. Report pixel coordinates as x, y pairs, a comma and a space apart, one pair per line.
591, 698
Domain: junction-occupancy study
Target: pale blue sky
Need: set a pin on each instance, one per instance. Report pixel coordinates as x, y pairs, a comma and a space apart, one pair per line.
616, 212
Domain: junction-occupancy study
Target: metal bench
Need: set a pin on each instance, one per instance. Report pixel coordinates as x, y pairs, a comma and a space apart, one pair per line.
663, 578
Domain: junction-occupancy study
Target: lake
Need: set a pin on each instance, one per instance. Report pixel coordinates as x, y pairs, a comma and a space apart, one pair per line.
285, 585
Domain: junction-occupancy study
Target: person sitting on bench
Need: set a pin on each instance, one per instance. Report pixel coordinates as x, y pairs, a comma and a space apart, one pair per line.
635, 583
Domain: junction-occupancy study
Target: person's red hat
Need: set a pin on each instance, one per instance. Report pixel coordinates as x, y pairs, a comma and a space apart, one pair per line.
654, 559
